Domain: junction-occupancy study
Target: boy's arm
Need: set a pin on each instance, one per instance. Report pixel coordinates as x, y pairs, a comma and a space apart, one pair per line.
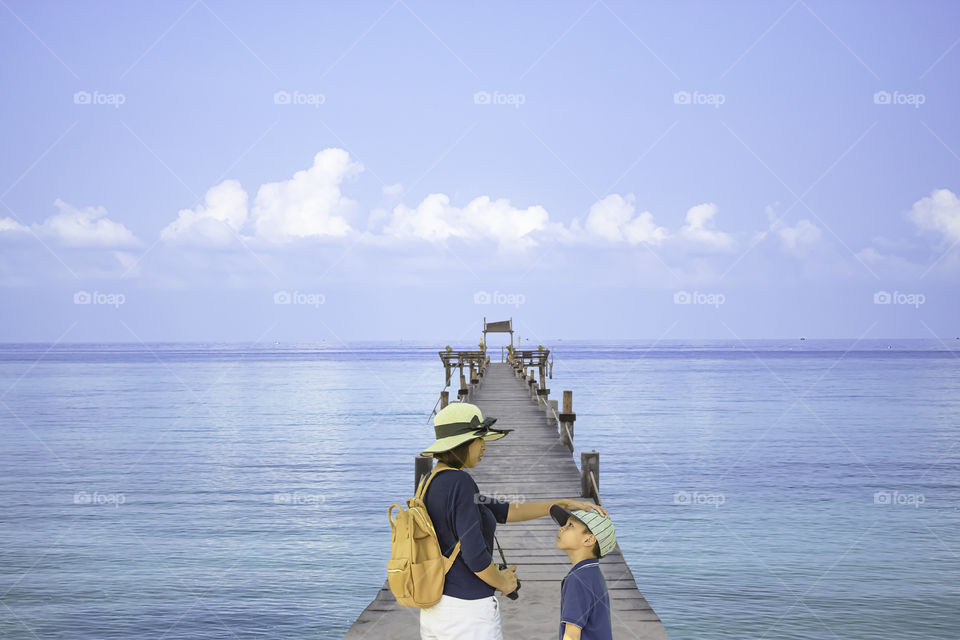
571, 631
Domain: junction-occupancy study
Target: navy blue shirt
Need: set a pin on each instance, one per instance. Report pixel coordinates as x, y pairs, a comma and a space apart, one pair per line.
460, 512
584, 601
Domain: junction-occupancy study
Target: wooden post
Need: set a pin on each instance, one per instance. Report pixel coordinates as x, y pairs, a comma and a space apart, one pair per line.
551, 404
463, 387
542, 391
444, 398
589, 461
567, 417
421, 467
473, 375
446, 371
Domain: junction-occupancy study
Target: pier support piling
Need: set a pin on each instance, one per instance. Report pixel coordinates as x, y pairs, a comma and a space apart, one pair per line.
567, 418
421, 467
590, 475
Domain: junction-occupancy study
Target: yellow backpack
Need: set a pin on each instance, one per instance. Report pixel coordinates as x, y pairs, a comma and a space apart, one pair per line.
417, 567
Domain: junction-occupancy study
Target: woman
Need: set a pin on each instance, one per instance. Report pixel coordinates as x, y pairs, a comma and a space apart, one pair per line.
468, 609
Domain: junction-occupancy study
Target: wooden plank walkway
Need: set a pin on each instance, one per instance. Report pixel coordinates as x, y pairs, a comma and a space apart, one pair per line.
531, 463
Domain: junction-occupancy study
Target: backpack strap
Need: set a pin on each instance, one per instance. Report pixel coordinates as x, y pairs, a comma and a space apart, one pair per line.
449, 560
426, 480
421, 491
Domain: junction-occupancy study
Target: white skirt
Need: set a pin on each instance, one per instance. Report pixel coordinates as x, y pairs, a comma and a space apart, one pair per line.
459, 619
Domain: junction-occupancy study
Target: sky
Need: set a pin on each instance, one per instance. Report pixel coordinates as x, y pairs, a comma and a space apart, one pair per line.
202, 170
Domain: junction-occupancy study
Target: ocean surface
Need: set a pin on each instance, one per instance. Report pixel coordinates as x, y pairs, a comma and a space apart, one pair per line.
767, 489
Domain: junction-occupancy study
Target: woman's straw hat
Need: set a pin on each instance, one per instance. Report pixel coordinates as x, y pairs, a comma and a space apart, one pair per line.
459, 422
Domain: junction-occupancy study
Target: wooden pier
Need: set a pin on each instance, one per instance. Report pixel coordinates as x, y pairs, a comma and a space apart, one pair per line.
534, 462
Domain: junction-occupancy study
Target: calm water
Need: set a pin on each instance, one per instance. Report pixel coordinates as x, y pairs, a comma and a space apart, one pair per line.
228, 491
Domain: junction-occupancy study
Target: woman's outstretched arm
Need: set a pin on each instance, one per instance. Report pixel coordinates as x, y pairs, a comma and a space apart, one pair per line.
520, 511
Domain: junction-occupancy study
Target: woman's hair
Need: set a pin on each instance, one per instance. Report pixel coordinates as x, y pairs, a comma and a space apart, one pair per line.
456, 457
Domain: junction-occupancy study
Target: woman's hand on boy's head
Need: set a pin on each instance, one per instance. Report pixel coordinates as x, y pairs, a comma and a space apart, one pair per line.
570, 505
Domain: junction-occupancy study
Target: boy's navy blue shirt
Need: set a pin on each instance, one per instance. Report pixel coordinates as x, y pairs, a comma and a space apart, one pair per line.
584, 601
460, 512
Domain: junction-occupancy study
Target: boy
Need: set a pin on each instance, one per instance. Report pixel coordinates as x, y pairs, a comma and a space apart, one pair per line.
584, 601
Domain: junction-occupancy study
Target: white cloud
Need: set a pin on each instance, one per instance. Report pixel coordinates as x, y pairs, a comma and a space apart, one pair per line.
312, 205
612, 219
433, 220
804, 234
436, 220
797, 239
393, 190
698, 229
309, 204
89, 228
940, 211
217, 221
889, 264
509, 226
9, 224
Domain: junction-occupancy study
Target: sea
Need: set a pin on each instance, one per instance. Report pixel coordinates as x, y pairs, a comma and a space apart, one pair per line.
788, 489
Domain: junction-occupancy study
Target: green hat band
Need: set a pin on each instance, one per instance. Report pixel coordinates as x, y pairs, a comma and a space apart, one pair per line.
460, 428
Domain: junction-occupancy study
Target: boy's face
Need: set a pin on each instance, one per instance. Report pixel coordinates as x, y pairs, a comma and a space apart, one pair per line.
574, 535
